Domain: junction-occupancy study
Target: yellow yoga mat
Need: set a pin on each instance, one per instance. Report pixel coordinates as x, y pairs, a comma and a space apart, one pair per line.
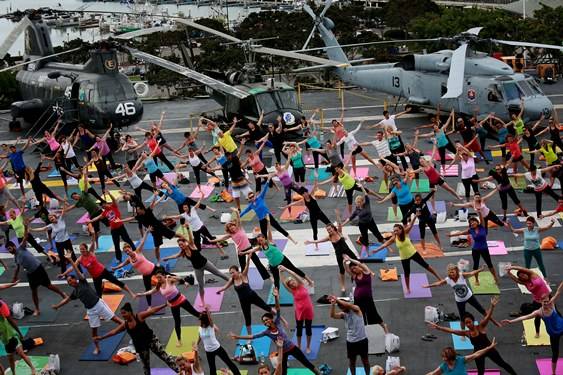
530, 332
249, 216
496, 153
189, 334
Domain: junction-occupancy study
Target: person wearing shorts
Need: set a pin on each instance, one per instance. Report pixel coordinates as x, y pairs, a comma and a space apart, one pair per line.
356, 337
96, 308
36, 274
10, 337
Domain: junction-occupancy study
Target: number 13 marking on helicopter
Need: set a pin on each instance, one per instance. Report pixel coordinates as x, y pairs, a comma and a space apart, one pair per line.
395, 81
126, 109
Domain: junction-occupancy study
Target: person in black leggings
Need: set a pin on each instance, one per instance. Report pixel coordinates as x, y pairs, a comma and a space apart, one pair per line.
39, 188
212, 346
365, 220
425, 218
504, 187
477, 334
340, 249
315, 212
102, 169
246, 295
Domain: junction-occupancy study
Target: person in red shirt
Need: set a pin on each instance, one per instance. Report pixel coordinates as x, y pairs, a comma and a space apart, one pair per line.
117, 227
154, 146
515, 153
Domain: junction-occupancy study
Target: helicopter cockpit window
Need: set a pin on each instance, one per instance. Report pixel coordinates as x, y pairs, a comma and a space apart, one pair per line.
525, 88
288, 99
266, 102
512, 91
534, 85
494, 94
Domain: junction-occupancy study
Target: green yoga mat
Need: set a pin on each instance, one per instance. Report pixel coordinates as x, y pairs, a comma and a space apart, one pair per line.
298, 371
383, 189
423, 186
189, 334
487, 284
521, 185
2, 270
38, 361
391, 215
249, 216
24, 331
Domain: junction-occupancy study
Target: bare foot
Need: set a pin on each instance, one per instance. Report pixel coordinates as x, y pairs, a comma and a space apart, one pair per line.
408, 291
36, 312
96, 351
537, 335
179, 344
308, 350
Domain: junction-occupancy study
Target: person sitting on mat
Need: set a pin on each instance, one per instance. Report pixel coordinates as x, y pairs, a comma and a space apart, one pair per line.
478, 337
143, 338
274, 330
187, 367
462, 292
96, 308
455, 364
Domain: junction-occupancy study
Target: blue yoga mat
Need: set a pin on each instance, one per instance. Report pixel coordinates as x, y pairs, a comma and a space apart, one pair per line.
24, 331
169, 265
149, 242
323, 175
105, 243
261, 345
380, 256
460, 344
286, 298
315, 342
54, 173
107, 348
516, 224
359, 371
150, 199
118, 273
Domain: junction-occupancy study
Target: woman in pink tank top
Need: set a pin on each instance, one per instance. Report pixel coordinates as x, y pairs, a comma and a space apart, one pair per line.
88, 260
235, 231
49, 138
304, 312
141, 264
166, 285
258, 168
535, 285
434, 178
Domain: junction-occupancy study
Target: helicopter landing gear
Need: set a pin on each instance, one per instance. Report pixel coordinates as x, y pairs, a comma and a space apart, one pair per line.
15, 126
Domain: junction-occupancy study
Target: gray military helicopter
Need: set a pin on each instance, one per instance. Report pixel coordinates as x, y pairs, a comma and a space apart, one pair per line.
464, 79
94, 93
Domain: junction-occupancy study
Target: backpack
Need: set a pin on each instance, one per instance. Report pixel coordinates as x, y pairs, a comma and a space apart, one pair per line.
247, 354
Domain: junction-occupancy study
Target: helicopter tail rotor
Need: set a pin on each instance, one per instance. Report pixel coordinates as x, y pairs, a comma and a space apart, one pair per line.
318, 20
13, 36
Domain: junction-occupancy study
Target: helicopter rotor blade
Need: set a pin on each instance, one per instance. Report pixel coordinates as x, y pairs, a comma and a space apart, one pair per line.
143, 32
39, 59
309, 11
474, 30
300, 56
527, 44
367, 44
311, 35
457, 71
327, 5
13, 36
208, 30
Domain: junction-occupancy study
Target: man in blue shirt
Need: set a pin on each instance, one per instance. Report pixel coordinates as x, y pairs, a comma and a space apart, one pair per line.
178, 196
17, 162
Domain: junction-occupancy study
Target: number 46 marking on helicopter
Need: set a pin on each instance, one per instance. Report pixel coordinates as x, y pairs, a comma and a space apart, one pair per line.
126, 109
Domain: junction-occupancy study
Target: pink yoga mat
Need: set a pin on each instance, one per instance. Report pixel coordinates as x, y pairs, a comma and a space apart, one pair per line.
207, 190
212, 299
451, 171
170, 176
416, 282
544, 366
436, 155
487, 372
162, 371
83, 219
308, 160
497, 248
362, 172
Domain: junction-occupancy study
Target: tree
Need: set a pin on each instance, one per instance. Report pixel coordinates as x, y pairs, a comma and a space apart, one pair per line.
399, 13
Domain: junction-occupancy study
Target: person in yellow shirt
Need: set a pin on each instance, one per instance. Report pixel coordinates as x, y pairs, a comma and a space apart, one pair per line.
225, 139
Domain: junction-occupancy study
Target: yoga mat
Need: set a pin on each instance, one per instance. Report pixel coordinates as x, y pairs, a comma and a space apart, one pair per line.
59, 183
497, 248
431, 251
170, 176
54, 173
487, 372
114, 262
206, 189
315, 342
162, 371
83, 219
308, 159
376, 339
440, 206
362, 173
39, 362
450, 171
107, 348
112, 300
487, 284
24, 331
286, 298
2, 270
323, 175
254, 279
383, 189
359, 371
295, 212
391, 215
436, 156
544, 366
157, 300
189, 334
105, 244
170, 264
212, 299
378, 257
414, 234
149, 243
423, 186
321, 249
461, 190
250, 215
530, 332
458, 343
261, 345
416, 282
516, 224
520, 185
280, 244
116, 194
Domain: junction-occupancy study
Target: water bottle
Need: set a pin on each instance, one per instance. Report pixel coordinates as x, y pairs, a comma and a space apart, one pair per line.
262, 358
523, 339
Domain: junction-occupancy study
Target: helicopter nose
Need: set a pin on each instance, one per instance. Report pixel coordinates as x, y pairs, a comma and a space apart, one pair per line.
536, 107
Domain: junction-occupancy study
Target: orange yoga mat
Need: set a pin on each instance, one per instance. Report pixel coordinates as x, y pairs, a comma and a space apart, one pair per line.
112, 300
432, 250
294, 214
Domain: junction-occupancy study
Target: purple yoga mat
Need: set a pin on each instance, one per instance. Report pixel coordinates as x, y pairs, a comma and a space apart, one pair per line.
212, 299
440, 206
254, 279
3, 247
487, 372
157, 300
280, 244
414, 234
83, 219
416, 282
162, 371
544, 366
